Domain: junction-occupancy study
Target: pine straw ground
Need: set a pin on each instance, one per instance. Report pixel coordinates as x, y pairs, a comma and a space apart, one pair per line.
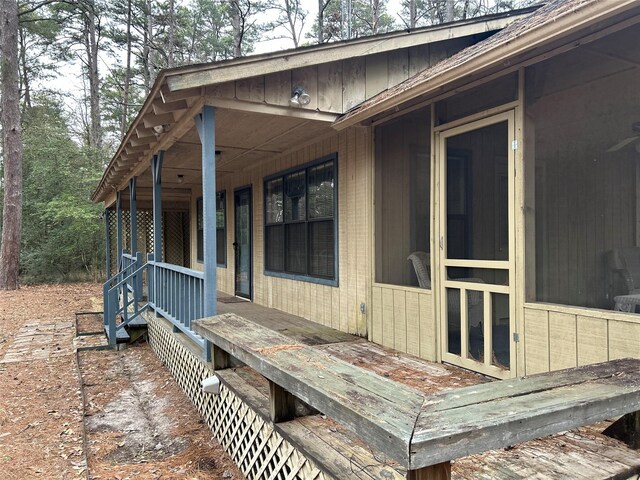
121, 411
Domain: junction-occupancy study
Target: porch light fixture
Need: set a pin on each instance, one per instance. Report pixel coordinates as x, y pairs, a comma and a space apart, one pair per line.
180, 178
299, 97
158, 129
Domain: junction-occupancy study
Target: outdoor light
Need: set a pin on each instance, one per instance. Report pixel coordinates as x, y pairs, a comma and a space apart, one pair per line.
158, 129
180, 178
299, 97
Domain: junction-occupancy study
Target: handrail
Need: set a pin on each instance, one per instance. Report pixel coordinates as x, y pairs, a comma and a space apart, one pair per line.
177, 268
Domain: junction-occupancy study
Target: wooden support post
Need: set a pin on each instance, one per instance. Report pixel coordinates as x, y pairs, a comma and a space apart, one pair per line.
133, 215
156, 173
205, 124
221, 359
441, 471
119, 230
282, 406
626, 429
107, 243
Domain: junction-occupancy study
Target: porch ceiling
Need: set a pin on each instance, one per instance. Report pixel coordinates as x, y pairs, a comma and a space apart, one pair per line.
245, 140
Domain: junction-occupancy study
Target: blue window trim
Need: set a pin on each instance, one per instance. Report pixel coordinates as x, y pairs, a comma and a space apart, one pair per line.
333, 282
199, 202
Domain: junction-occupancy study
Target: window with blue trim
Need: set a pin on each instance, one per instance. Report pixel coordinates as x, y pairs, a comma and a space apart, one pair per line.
300, 211
221, 229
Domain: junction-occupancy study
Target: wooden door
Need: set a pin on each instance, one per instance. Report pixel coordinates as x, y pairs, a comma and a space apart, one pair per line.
477, 245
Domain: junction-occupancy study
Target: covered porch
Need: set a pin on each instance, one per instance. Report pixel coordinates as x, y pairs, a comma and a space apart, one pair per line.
314, 445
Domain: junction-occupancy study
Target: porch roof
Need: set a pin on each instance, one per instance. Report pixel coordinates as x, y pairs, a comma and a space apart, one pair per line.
178, 94
558, 25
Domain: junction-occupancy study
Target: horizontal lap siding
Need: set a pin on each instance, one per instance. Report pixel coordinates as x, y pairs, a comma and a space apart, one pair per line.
562, 337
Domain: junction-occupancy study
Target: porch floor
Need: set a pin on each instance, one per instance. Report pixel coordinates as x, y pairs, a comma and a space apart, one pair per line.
580, 453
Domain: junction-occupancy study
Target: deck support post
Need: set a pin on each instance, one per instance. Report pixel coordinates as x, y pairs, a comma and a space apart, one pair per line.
626, 429
133, 228
205, 124
119, 230
220, 358
440, 471
156, 175
107, 242
282, 405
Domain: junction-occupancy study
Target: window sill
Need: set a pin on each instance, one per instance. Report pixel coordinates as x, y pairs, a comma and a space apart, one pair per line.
302, 278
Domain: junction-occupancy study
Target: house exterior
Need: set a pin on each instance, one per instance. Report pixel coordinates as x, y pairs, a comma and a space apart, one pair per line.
460, 193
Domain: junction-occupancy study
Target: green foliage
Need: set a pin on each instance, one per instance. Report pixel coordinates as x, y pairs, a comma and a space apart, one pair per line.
63, 232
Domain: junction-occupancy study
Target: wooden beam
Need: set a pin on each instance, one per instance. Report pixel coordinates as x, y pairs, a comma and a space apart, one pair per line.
156, 120
142, 141
243, 106
145, 132
266, 64
441, 471
282, 407
159, 107
168, 96
182, 126
134, 149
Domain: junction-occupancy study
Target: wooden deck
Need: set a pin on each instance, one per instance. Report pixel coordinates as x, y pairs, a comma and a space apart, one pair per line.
582, 453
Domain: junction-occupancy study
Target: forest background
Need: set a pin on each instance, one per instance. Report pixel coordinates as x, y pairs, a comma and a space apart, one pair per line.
84, 67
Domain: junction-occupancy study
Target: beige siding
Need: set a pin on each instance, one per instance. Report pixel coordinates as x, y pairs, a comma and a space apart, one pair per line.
402, 318
338, 307
559, 337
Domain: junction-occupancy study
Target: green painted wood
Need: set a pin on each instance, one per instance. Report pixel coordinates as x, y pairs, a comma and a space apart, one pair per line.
378, 410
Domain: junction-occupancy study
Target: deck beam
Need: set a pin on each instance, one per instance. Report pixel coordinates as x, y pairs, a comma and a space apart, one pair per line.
440, 471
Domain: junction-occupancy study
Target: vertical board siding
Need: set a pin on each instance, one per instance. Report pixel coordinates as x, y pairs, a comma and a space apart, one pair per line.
536, 346
338, 307
577, 336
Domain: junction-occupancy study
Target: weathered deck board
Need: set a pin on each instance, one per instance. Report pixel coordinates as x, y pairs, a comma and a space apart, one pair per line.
380, 410
304, 331
511, 411
458, 423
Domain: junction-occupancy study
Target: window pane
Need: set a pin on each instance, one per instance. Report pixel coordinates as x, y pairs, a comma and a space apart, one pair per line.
296, 253
273, 201
274, 248
221, 250
295, 197
321, 248
220, 210
321, 185
402, 186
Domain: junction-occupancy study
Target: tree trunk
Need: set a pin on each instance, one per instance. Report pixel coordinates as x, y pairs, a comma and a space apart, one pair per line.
413, 14
91, 47
321, 7
12, 143
172, 35
449, 12
127, 77
237, 25
26, 86
147, 60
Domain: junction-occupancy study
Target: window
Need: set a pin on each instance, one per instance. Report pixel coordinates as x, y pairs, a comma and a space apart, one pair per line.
221, 229
402, 193
300, 236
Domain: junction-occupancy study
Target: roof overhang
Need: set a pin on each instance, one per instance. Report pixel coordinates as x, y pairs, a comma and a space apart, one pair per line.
523, 43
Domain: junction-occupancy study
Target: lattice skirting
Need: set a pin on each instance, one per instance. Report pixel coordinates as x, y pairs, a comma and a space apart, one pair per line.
259, 451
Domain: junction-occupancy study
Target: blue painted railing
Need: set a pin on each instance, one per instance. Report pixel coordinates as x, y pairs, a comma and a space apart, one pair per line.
122, 295
177, 293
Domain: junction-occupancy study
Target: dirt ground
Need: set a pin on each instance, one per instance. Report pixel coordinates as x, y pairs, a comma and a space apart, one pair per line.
119, 410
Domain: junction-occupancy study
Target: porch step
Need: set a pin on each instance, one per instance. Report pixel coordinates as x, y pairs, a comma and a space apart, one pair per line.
137, 322
121, 335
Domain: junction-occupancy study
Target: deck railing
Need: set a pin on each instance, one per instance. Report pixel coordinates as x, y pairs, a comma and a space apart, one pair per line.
174, 292
177, 293
122, 295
